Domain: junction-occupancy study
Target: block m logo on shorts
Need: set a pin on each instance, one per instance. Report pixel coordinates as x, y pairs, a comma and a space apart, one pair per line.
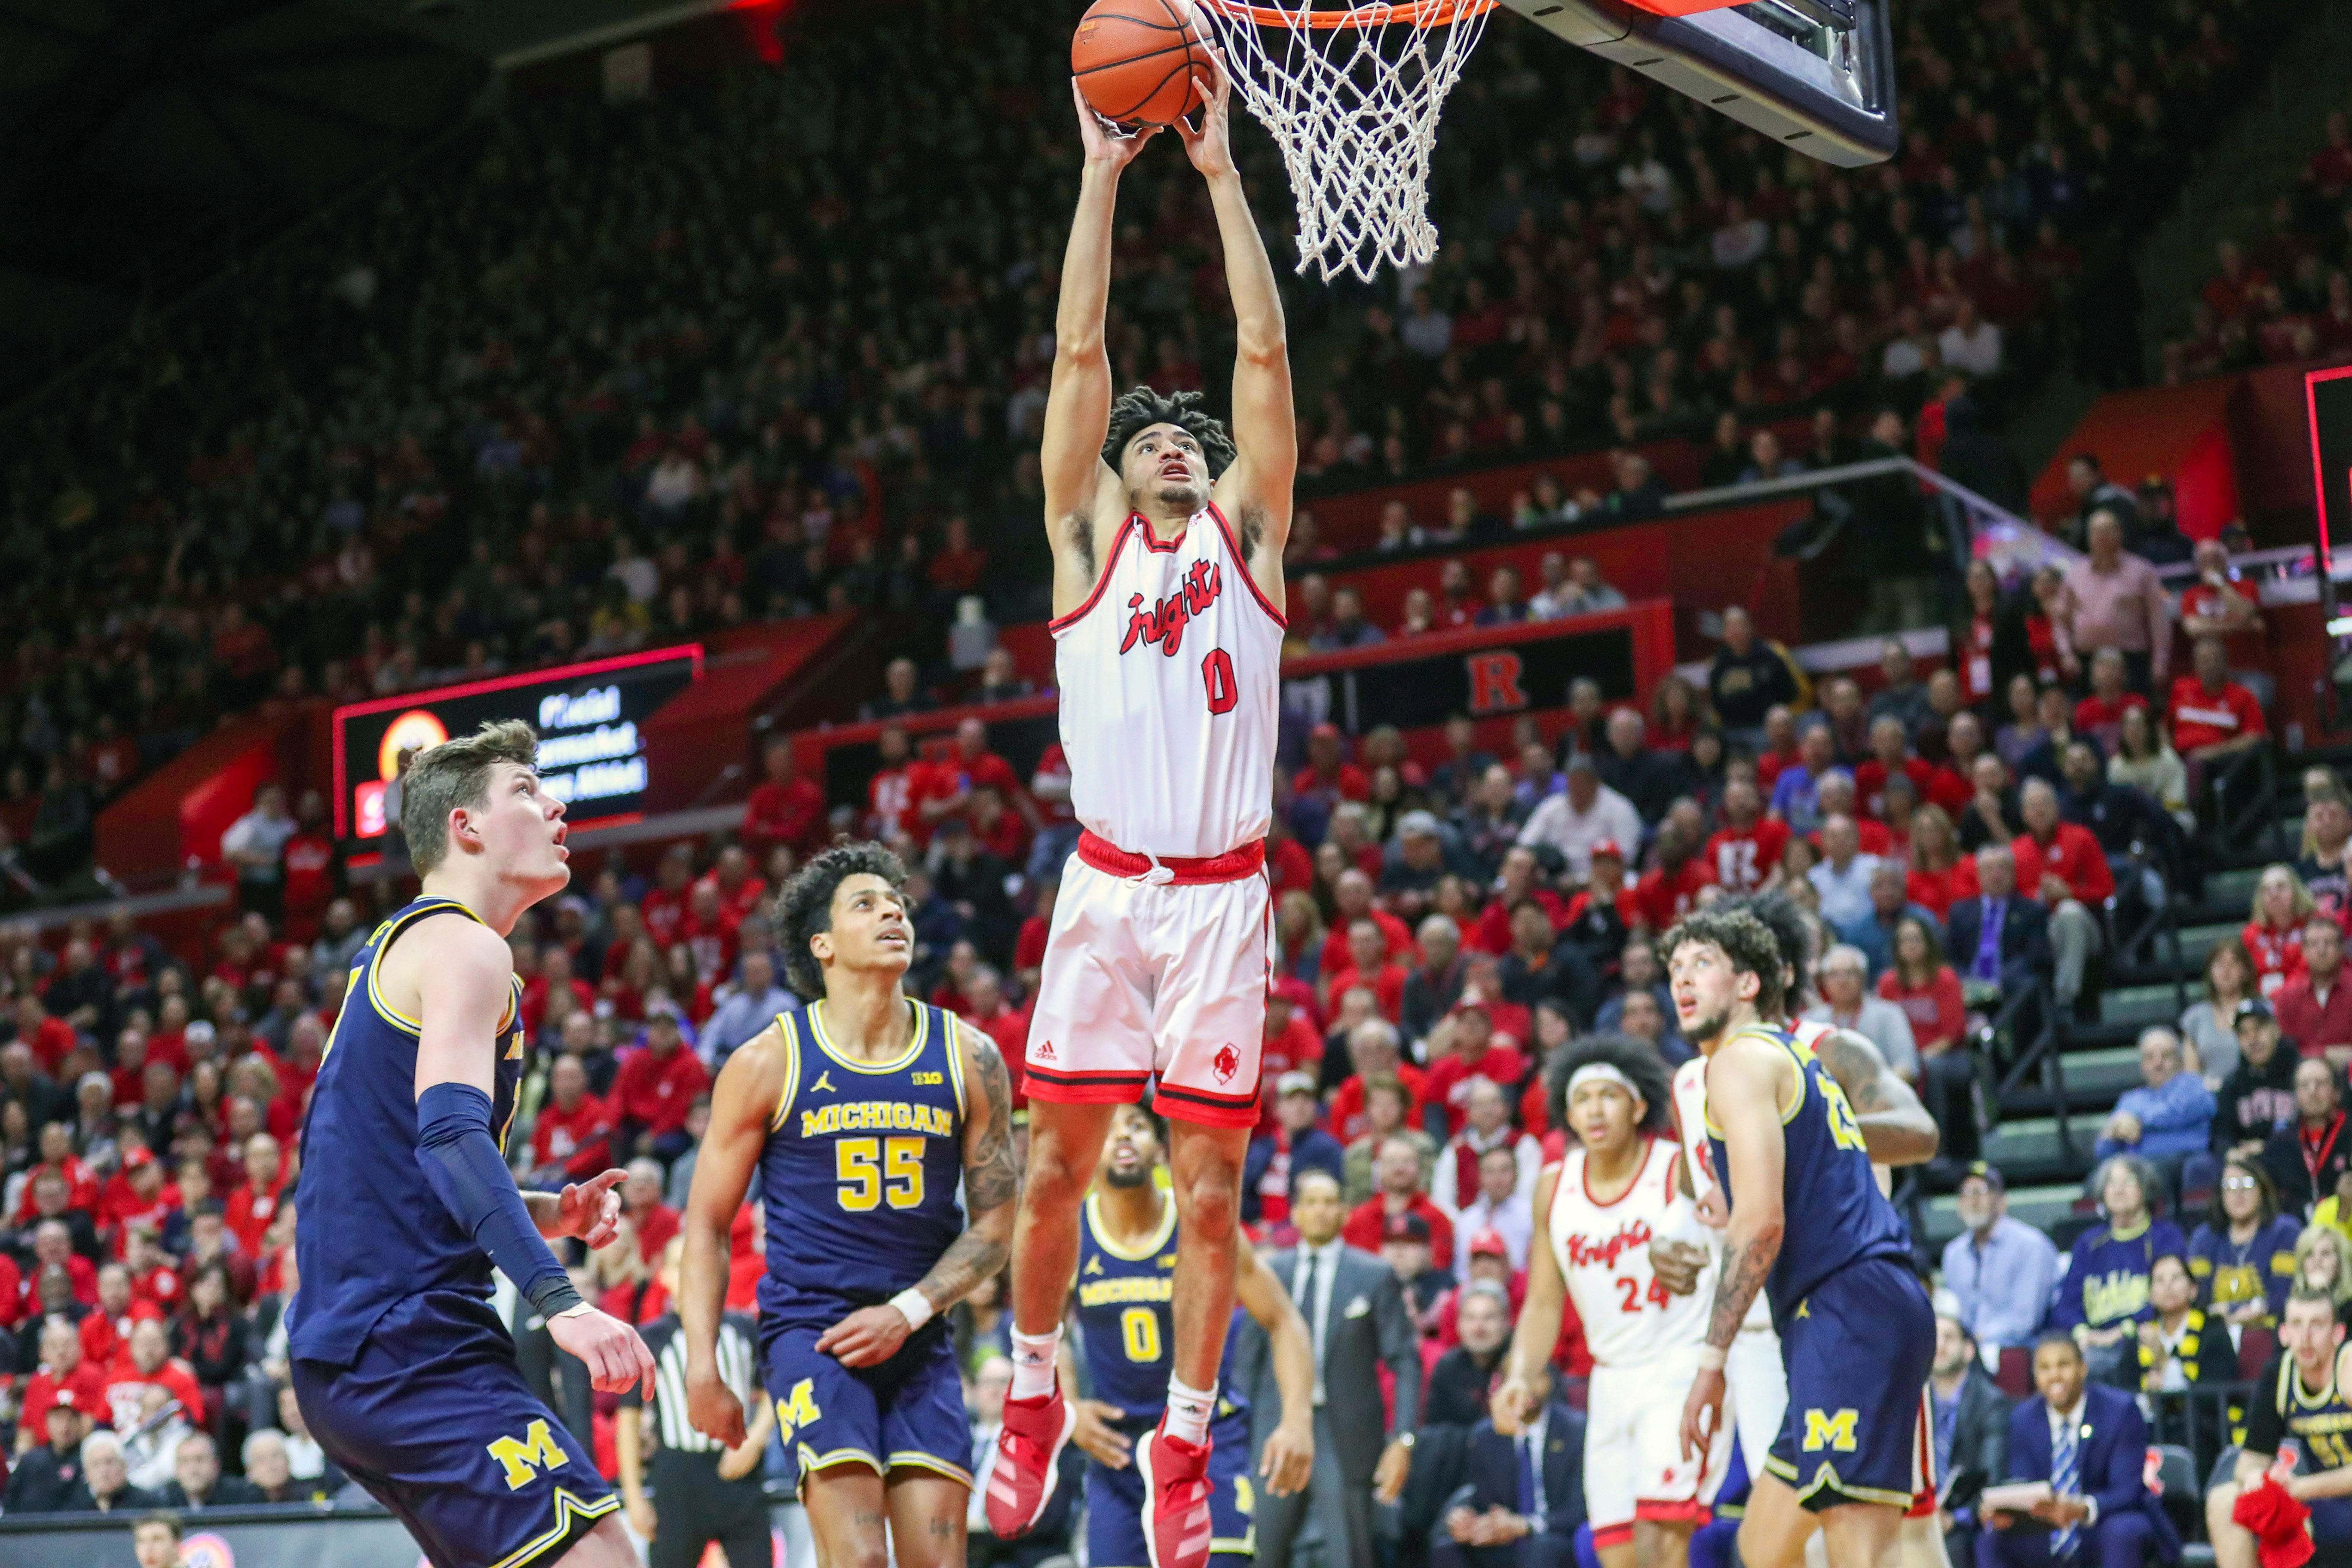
1829, 1429
1494, 683
525, 1456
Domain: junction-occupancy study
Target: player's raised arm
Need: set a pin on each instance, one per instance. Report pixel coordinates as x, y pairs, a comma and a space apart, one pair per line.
1743, 1095
1255, 490
1895, 1128
992, 1188
464, 982
1538, 1333
1288, 1461
1077, 401
741, 1103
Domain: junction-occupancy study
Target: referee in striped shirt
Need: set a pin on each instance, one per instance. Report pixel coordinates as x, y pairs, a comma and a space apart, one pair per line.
704, 1492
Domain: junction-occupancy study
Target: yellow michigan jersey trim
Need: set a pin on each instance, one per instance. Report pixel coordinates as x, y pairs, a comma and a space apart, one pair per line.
955, 1066
907, 1458
810, 1462
1797, 1054
792, 1070
569, 1510
916, 1036
1152, 1246
1825, 1478
383, 939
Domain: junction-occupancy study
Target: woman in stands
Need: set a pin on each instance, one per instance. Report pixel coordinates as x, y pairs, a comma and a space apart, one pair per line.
2211, 1026
1921, 984
2024, 732
2145, 761
2323, 1260
1940, 874
1676, 713
1299, 929
2242, 1256
2273, 933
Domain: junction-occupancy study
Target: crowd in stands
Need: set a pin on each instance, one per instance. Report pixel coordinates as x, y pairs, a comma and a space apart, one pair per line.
2288, 294
601, 377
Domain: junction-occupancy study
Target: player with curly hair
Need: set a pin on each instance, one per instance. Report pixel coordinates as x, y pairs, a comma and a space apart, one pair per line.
857, 1112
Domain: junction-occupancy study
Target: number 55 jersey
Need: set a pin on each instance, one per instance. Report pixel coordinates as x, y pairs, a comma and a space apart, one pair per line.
858, 1183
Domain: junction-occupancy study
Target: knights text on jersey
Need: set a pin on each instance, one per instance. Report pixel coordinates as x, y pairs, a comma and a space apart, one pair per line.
1604, 1252
1169, 677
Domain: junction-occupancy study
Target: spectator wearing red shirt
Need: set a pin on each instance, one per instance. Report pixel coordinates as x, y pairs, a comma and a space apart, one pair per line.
1462, 1049
1369, 963
707, 932
311, 864
1780, 746
739, 887
106, 1331
2215, 605
2283, 908
1001, 1022
2314, 1009
1515, 881
1837, 796
654, 1090
146, 1362
136, 1195
957, 566
52, 1040
1746, 850
58, 1156
1328, 777
2212, 716
1890, 753
554, 974
641, 1201
1029, 947
1290, 1041
54, 1238
1925, 987
2066, 870
254, 1205
63, 1371
946, 787
890, 792
1670, 891
2100, 715
1374, 1052
572, 1137
663, 910
1352, 894
1396, 1183
784, 808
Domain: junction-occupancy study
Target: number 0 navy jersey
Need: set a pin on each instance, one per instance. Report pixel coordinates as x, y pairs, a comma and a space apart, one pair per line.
369, 1230
1834, 1212
858, 1179
1127, 1316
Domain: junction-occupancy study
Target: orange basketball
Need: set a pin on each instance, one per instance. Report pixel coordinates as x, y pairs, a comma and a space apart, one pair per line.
1135, 60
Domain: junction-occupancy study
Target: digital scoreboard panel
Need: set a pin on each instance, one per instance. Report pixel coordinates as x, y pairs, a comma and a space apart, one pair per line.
590, 718
2327, 396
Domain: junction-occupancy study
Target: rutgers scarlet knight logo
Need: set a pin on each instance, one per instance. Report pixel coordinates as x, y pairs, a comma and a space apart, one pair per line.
1227, 1062
1494, 683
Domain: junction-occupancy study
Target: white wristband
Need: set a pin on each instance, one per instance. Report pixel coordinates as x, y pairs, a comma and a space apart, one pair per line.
1712, 1357
914, 1306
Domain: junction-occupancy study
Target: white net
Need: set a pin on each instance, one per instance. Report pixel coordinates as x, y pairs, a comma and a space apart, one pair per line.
1354, 108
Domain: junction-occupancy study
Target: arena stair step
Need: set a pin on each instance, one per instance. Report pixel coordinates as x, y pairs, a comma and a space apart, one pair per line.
2141, 1005
2042, 1206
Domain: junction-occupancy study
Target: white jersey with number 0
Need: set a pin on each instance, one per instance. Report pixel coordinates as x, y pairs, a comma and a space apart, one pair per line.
1603, 1250
1169, 677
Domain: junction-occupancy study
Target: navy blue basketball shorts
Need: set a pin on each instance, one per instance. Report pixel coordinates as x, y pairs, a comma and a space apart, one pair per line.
1857, 1349
436, 1423
1115, 1502
907, 1412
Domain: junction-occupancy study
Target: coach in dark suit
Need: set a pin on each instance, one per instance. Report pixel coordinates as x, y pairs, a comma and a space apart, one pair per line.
2091, 1444
1971, 1430
1998, 938
1356, 1319
1523, 1497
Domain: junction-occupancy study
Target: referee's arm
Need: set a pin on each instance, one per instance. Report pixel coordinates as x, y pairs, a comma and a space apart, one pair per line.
740, 1104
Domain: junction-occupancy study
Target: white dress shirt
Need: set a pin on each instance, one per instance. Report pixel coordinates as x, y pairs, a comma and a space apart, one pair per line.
2058, 1421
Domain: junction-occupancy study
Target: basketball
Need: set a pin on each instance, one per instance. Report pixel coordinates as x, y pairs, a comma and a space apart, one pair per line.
1135, 60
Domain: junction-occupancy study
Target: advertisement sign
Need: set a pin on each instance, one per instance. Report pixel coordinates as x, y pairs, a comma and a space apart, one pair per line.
590, 718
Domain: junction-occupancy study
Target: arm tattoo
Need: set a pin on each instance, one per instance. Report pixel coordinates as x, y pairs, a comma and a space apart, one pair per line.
991, 1182
1744, 1271
1856, 1071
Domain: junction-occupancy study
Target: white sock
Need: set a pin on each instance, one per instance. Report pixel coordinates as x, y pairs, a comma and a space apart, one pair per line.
1033, 1363
1188, 1412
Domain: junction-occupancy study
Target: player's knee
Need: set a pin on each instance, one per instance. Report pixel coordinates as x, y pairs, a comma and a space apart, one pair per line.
2221, 1507
1056, 1178
1209, 1203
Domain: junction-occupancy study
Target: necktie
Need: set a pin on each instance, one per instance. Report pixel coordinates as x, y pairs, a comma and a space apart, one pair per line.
2066, 1480
1988, 959
1527, 1473
1948, 1421
1307, 1304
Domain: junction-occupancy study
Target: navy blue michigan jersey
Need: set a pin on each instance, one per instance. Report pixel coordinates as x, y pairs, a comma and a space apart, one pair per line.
1127, 1316
859, 1174
369, 1229
1834, 1212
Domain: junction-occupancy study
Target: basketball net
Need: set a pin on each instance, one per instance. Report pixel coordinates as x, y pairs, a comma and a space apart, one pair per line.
1351, 96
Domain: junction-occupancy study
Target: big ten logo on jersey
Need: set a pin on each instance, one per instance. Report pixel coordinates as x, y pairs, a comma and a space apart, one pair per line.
524, 1457
1829, 1429
1494, 682
922, 1079
1165, 621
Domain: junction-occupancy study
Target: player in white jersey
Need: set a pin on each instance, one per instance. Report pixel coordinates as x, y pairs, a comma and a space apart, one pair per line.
1166, 537
1897, 1130
1601, 1207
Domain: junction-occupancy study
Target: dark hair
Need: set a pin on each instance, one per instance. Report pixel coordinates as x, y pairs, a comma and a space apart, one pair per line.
1139, 410
1786, 924
1927, 934
2265, 1190
1745, 939
1630, 1057
804, 907
1159, 1122
2061, 1338
162, 1516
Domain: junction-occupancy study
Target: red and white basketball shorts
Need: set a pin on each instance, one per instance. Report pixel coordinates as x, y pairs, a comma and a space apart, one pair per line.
1925, 1481
1634, 1464
1155, 971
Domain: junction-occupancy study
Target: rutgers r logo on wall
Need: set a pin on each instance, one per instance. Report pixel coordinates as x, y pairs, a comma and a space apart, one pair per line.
1494, 683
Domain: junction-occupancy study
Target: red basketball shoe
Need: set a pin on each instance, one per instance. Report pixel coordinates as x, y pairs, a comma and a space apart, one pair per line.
1021, 1483
1176, 1528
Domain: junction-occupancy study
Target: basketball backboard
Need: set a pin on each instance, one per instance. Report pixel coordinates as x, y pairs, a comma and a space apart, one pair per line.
1814, 75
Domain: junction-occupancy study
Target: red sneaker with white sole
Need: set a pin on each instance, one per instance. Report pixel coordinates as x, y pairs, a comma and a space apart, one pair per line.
1176, 1528
1021, 1482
